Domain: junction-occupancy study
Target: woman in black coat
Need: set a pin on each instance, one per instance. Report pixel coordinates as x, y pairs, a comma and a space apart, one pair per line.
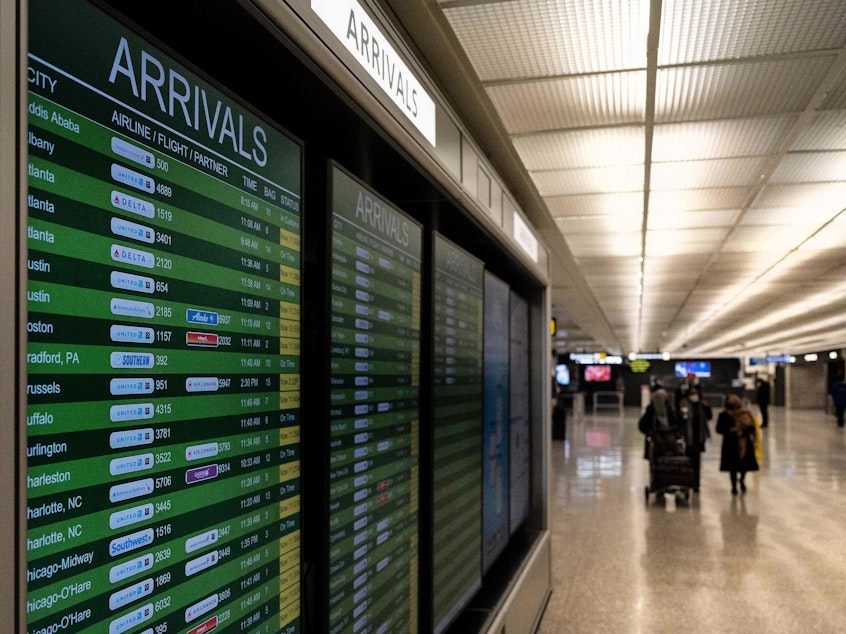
737, 426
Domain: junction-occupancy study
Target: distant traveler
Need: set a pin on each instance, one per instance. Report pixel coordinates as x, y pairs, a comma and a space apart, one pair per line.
762, 398
838, 393
694, 414
559, 419
737, 426
684, 386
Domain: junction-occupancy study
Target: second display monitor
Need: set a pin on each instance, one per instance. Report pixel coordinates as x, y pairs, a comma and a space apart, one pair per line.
374, 412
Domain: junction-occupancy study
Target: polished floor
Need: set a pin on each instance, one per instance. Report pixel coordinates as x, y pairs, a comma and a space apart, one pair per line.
772, 560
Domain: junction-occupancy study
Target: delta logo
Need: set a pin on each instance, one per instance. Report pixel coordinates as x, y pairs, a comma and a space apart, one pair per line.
132, 256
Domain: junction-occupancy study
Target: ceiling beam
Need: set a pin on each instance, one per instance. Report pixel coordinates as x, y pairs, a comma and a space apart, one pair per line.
730, 61
652, 42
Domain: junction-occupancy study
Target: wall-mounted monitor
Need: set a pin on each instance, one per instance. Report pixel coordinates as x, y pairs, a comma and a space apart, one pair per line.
163, 414
457, 459
518, 359
496, 435
597, 373
374, 421
700, 369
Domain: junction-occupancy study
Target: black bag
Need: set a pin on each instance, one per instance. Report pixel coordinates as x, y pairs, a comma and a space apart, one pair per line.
646, 424
559, 421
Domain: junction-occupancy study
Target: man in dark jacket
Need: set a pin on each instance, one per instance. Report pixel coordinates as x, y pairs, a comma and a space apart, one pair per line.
838, 393
694, 414
762, 398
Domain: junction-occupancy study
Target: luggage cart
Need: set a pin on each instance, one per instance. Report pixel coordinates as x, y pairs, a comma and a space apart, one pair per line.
670, 470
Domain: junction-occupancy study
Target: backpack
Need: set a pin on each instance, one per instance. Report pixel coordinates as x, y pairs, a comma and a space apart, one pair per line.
646, 424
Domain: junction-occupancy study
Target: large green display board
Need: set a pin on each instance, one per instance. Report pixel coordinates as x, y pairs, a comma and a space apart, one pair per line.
457, 396
163, 349
374, 463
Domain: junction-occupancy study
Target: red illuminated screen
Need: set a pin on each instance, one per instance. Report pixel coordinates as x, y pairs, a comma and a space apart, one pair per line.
597, 373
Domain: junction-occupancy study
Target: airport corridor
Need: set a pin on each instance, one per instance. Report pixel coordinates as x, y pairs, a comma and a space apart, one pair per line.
772, 560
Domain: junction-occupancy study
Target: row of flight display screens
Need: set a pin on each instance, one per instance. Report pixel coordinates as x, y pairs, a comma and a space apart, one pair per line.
602, 373
164, 366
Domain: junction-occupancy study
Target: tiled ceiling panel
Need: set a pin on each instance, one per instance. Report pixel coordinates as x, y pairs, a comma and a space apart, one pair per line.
697, 199
823, 195
625, 178
621, 265
656, 247
657, 317
598, 250
587, 100
616, 244
657, 284
786, 216
715, 298
738, 90
595, 204
713, 234
663, 298
621, 223
581, 148
735, 172
752, 136
806, 264
542, 38
729, 262
612, 283
766, 238
827, 131
670, 268
836, 97
622, 301
704, 30
692, 219
832, 236
825, 241
811, 167
729, 285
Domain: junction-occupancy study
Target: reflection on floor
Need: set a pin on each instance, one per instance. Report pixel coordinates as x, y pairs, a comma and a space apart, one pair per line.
772, 560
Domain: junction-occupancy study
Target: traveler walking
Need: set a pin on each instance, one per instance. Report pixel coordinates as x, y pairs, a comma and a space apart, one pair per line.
737, 456
838, 393
762, 398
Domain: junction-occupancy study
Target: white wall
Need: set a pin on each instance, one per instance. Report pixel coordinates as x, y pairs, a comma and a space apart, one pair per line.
807, 386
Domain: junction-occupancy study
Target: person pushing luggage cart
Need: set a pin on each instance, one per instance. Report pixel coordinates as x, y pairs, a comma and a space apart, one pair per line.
670, 468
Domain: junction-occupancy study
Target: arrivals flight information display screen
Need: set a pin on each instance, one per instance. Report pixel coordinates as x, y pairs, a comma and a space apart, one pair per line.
375, 372
496, 483
457, 396
518, 425
163, 353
